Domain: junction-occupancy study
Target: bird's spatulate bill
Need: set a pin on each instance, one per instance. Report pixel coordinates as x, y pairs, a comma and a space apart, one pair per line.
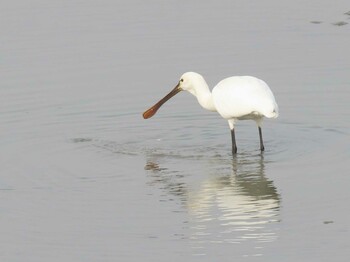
153, 110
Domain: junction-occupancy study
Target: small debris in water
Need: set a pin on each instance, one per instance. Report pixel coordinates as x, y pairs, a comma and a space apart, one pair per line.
81, 140
328, 222
316, 22
340, 23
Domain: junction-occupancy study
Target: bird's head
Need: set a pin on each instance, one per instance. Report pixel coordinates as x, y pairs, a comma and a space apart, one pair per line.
190, 81
187, 82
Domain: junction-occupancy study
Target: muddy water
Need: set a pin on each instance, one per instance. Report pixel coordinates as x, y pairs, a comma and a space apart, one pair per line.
85, 178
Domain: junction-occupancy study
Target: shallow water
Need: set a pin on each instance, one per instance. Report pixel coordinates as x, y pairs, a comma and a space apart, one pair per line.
85, 178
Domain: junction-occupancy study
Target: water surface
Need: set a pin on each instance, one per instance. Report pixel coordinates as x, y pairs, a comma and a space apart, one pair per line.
85, 178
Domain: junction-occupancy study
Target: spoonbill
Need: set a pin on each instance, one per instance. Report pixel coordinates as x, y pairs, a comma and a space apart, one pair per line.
234, 98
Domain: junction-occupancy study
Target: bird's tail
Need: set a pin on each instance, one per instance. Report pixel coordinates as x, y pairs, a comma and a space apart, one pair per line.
272, 113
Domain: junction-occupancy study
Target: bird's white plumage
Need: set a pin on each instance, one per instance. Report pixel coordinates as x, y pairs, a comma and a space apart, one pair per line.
244, 97
234, 98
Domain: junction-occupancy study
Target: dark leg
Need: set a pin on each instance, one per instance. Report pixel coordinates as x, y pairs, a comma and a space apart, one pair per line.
262, 148
234, 146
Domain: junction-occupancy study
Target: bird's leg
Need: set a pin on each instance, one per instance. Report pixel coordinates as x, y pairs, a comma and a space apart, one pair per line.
234, 146
262, 148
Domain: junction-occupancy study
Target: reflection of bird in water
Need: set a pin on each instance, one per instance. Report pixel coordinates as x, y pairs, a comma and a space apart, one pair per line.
243, 203
164, 178
235, 204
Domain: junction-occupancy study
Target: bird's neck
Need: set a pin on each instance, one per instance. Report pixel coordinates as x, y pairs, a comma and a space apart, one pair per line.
204, 97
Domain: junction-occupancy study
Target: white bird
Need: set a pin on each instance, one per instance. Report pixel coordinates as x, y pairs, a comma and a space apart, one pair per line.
234, 98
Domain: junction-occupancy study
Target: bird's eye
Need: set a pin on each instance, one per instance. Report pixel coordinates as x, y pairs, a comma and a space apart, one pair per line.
181, 80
